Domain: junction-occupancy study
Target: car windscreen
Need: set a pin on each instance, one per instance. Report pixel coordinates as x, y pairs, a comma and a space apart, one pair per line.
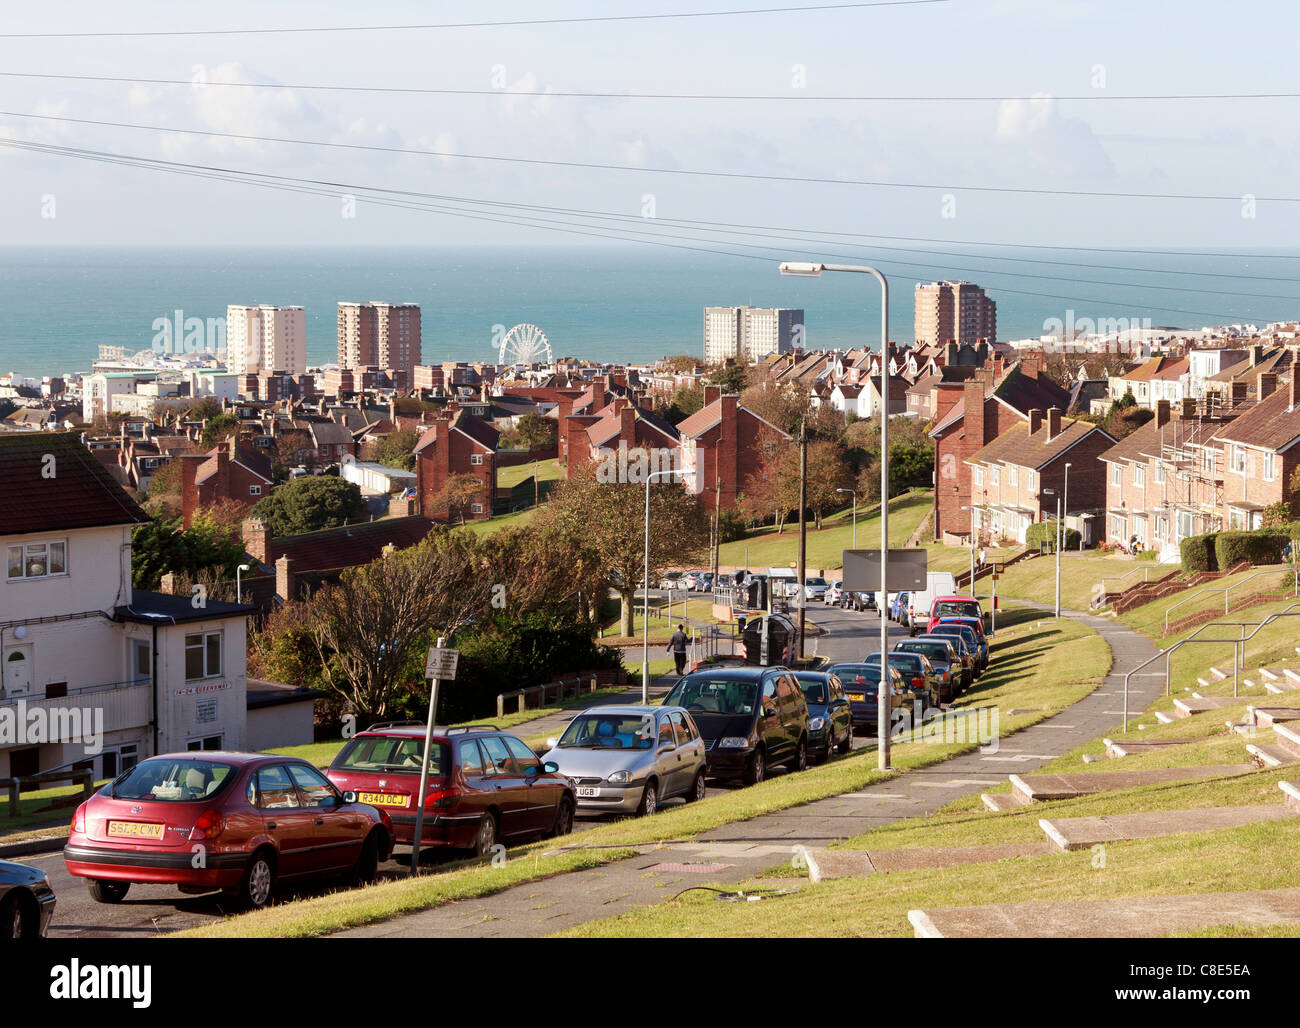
956, 609
173, 779
609, 731
702, 694
933, 650
390, 753
815, 581
899, 659
814, 688
954, 633
857, 677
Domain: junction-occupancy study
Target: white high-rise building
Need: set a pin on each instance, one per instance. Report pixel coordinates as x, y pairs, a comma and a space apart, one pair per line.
750, 333
266, 338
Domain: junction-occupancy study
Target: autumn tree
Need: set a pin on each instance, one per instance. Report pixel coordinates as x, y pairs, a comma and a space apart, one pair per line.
219, 429
288, 450
394, 450
536, 432
456, 494
828, 470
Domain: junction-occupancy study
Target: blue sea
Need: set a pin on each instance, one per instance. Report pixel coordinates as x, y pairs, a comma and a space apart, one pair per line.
58, 305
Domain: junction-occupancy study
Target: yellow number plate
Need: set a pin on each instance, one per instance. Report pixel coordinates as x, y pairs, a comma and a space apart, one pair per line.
134, 830
382, 799
857, 696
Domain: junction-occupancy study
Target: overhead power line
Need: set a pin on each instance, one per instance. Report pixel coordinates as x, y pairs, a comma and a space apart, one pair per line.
513, 23
645, 170
1100, 95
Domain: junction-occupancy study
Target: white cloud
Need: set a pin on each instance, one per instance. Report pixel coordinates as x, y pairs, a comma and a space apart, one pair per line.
1046, 141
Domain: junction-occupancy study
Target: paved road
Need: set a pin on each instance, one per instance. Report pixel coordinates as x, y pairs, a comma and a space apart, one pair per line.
150, 910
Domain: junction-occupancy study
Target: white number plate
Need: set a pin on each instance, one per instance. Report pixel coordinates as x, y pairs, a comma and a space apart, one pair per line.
587, 790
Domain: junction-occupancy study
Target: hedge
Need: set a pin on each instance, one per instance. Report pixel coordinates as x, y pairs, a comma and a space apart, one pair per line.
1198, 553
1045, 531
1261, 547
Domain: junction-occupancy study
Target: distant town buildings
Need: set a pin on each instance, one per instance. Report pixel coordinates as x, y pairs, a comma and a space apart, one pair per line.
377, 334
750, 333
959, 311
266, 338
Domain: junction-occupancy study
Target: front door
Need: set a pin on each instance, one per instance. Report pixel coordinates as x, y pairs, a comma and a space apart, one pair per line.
18, 671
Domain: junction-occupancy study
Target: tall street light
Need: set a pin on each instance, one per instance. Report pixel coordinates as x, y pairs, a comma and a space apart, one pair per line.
1065, 503
1053, 492
645, 585
884, 700
971, 508
239, 584
855, 514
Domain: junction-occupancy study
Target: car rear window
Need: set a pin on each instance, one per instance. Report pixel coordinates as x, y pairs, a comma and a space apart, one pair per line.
173, 779
856, 676
389, 753
609, 731
956, 609
931, 650
814, 689
705, 695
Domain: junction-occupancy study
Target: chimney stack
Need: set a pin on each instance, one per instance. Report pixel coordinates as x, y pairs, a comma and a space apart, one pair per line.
711, 393
285, 586
1189, 409
1266, 383
1162, 413
257, 538
1035, 420
1295, 388
1054, 421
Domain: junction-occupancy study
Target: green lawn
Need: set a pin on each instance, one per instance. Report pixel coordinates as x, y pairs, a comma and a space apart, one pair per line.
545, 470
516, 520
34, 812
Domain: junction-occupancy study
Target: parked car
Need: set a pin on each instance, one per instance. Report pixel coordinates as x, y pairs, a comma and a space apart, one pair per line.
672, 580
965, 653
834, 594
919, 677
976, 625
751, 718
626, 760
484, 785
943, 657
257, 819
971, 638
830, 724
861, 686
861, 599
898, 608
26, 901
954, 607
814, 587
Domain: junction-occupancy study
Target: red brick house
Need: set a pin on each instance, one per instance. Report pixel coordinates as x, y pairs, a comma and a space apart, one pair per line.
620, 424
461, 445
722, 446
227, 472
1259, 453
1011, 475
971, 414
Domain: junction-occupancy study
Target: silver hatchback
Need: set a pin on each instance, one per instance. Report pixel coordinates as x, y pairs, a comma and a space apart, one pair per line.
626, 760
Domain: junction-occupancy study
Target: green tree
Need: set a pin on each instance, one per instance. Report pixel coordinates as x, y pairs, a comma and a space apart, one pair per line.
536, 432
219, 429
158, 547
310, 503
733, 378
396, 449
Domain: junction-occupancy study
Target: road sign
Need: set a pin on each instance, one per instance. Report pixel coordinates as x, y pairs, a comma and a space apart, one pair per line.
907, 570
997, 568
441, 663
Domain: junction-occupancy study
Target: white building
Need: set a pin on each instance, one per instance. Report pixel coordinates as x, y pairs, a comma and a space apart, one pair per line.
95, 671
750, 333
98, 391
220, 385
266, 338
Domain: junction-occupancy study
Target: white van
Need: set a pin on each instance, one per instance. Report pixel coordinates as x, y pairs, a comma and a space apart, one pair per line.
937, 583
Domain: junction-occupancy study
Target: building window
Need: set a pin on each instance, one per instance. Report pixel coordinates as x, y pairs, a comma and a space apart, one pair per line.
1239, 459
994, 476
1162, 526
476, 508
141, 662
1012, 475
977, 476
1236, 518
210, 742
1139, 475
476, 458
1116, 475
202, 656
38, 560
254, 490
1269, 471
1160, 473
1207, 460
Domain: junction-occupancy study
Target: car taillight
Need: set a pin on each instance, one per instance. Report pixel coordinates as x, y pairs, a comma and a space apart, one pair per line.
918, 681
208, 825
442, 798
79, 819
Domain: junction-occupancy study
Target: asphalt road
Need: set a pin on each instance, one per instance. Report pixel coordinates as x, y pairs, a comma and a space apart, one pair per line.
155, 909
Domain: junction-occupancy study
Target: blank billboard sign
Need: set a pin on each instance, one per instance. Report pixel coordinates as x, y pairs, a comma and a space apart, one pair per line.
906, 570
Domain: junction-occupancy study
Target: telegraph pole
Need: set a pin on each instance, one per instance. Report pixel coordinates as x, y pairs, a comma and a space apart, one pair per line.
803, 528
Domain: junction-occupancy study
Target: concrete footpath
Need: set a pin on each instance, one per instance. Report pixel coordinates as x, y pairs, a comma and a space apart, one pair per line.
736, 851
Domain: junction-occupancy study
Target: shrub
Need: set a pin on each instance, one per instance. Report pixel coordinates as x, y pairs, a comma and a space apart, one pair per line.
1045, 531
1257, 547
1198, 554
731, 526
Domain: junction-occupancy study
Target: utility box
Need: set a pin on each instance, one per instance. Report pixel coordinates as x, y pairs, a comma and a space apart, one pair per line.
771, 640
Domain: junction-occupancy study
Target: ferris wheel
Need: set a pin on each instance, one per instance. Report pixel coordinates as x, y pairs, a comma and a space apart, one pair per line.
525, 344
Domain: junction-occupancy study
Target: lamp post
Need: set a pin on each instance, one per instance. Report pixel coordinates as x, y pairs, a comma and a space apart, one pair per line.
855, 514
884, 694
1053, 492
1065, 504
239, 583
645, 619
971, 508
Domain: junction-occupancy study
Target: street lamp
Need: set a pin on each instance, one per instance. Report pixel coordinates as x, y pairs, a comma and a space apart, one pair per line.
855, 513
239, 585
645, 585
972, 509
884, 701
1053, 492
1065, 504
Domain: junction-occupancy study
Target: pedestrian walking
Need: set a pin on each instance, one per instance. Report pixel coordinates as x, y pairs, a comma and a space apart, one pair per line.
677, 646
983, 557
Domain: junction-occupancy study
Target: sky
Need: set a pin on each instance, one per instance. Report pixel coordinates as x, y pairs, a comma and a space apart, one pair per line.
961, 48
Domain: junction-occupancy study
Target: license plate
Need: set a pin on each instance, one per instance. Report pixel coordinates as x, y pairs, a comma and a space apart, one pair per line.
382, 799
134, 830
588, 790
857, 697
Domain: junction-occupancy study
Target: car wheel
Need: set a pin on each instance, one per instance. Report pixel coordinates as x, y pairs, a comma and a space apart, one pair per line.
486, 837
698, 789
15, 922
367, 869
258, 883
756, 768
649, 800
800, 759
103, 891
563, 817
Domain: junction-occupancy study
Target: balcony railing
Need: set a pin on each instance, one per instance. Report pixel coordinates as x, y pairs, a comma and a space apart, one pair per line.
124, 705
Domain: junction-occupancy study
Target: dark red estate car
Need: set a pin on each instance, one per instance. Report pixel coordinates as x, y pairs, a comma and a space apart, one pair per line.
239, 822
484, 784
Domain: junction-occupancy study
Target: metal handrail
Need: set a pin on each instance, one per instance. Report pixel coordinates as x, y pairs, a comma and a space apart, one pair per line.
1167, 653
1146, 569
1272, 569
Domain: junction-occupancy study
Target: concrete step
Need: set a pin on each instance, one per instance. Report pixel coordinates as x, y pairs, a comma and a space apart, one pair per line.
1081, 833
1271, 673
1201, 704
1002, 801
1128, 747
1038, 788
1292, 675
824, 864
1123, 917
1288, 737
1270, 755
1267, 717
1291, 790
1165, 719
1287, 683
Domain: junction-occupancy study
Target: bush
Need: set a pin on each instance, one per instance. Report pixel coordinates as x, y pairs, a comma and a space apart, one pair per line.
1198, 554
731, 526
1257, 547
1045, 531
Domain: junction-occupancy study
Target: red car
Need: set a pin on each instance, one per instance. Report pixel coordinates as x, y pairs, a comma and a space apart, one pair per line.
945, 607
483, 785
239, 822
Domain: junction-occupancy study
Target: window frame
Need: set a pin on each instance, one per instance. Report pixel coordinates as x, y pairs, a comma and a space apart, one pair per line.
26, 555
205, 639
